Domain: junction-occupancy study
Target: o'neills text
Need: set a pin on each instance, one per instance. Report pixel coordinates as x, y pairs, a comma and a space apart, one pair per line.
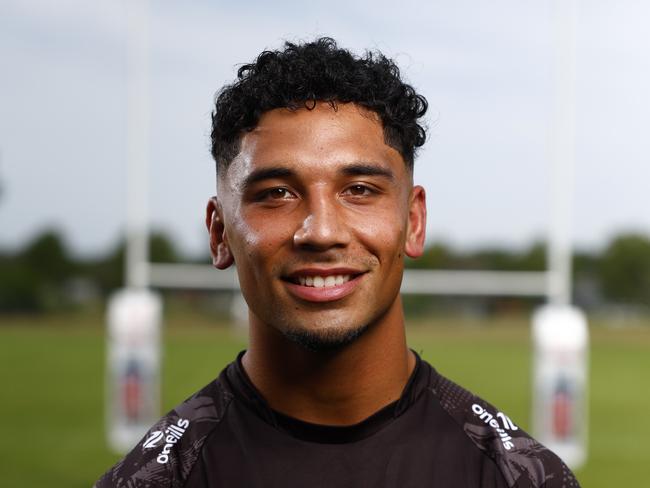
174, 433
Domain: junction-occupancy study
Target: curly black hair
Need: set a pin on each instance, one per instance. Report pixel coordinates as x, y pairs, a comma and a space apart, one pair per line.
301, 75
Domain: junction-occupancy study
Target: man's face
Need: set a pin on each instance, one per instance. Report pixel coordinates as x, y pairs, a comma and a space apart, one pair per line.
317, 212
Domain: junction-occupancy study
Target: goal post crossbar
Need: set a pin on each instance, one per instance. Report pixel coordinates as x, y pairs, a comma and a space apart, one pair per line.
415, 281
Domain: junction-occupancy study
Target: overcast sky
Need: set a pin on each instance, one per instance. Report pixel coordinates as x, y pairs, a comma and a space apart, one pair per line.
485, 67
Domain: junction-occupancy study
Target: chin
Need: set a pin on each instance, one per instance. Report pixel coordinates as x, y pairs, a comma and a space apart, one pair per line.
325, 340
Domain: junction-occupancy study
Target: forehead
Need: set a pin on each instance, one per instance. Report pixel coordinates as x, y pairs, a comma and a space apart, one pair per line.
318, 140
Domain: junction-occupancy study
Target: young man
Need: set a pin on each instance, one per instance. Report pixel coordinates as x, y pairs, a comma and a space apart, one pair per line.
316, 207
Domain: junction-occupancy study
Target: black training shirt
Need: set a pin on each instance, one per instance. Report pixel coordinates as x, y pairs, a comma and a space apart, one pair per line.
436, 435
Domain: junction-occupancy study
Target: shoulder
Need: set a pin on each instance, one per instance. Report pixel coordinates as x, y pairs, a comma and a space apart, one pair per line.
522, 460
167, 453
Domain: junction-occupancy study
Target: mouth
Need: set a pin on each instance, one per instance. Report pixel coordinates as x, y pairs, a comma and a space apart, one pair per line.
323, 285
322, 281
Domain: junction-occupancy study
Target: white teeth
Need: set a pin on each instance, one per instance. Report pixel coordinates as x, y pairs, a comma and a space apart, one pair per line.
323, 281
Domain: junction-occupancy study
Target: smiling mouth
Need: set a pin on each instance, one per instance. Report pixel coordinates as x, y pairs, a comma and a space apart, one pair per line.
312, 279
323, 286
322, 281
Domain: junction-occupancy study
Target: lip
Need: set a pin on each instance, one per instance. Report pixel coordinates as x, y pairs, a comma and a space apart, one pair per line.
324, 294
323, 272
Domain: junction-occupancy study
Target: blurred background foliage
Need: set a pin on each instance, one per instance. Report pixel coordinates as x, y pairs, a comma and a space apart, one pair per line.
45, 276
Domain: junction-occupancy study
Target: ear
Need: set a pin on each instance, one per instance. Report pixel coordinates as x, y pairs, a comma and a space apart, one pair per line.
222, 258
417, 223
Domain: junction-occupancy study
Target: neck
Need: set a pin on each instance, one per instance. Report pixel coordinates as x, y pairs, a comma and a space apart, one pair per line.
340, 387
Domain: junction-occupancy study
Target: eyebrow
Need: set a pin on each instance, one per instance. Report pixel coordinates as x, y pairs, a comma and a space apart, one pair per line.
367, 169
355, 169
265, 174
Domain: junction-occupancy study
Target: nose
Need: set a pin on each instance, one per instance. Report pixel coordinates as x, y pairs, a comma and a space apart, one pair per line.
324, 225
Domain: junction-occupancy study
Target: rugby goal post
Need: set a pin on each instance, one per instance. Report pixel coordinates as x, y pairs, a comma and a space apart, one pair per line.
134, 313
560, 333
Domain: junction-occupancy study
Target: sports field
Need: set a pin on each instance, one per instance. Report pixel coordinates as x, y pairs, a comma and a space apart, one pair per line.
51, 371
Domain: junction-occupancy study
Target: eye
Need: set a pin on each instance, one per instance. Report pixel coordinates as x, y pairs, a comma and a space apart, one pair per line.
359, 190
278, 193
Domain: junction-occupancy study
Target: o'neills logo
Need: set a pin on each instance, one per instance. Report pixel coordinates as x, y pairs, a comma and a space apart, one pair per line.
153, 439
490, 420
172, 435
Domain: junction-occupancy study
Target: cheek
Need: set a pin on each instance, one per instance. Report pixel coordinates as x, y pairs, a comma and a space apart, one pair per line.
254, 240
384, 236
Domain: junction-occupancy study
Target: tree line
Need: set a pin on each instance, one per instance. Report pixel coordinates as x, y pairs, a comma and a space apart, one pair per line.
44, 275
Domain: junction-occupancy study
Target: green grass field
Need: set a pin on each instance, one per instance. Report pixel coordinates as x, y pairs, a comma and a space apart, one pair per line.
51, 369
